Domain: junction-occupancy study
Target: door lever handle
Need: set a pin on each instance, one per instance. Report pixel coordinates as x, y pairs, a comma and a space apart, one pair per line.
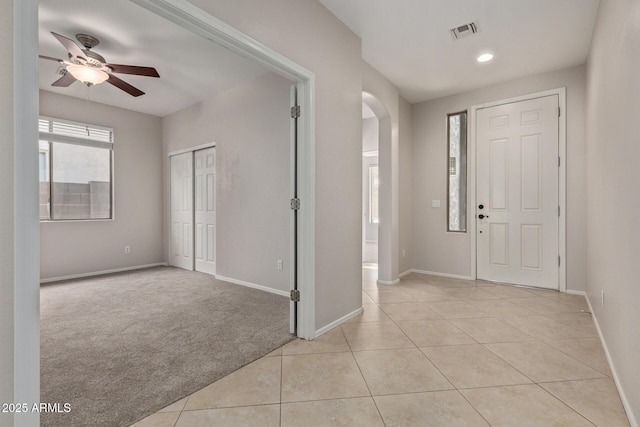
481, 216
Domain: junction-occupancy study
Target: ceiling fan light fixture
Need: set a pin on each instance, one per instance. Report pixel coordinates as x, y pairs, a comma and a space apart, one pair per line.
87, 74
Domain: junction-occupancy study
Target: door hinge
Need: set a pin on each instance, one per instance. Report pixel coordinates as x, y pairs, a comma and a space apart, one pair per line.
295, 295
295, 204
559, 114
295, 112
558, 260
558, 161
558, 210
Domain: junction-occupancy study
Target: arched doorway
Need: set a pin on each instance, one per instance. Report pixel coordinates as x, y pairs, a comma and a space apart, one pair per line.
385, 220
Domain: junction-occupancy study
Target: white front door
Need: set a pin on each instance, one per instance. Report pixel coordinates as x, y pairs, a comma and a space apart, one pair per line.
181, 252
517, 193
205, 210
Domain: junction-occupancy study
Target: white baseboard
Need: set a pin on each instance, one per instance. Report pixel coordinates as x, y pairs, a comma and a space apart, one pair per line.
432, 273
252, 285
401, 275
338, 322
633, 421
100, 273
572, 292
435, 273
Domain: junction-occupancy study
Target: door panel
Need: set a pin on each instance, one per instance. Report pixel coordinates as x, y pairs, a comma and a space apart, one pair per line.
205, 210
499, 244
181, 211
517, 185
499, 170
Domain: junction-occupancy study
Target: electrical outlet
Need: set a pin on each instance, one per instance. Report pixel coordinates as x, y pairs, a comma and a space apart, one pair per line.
602, 300
127, 249
279, 264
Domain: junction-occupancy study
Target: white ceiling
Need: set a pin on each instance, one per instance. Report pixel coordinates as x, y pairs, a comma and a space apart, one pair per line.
408, 41
191, 68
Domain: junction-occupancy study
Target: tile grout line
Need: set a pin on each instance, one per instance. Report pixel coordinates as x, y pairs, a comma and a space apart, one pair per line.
564, 403
281, 382
363, 378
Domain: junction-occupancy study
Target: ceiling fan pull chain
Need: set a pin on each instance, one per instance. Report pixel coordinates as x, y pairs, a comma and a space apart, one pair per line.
87, 106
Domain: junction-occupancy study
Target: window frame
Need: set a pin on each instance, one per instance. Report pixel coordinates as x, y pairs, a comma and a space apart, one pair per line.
105, 139
463, 170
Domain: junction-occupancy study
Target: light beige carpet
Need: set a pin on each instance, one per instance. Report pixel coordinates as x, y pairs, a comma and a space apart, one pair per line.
123, 346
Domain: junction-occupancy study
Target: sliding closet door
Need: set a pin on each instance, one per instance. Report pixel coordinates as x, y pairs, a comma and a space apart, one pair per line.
205, 210
181, 252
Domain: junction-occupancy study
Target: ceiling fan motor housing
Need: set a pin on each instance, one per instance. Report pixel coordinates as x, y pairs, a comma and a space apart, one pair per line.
93, 58
87, 41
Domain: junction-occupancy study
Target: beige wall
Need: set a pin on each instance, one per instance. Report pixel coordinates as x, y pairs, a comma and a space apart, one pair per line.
250, 125
395, 175
7, 278
77, 247
370, 129
308, 34
370, 134
438, 251
386, 95
406, 186
613, 202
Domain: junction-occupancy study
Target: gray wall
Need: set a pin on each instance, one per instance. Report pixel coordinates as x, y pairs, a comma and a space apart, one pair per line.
7, 277
436, 250
613, 203
308, 34
250, 125
77, 247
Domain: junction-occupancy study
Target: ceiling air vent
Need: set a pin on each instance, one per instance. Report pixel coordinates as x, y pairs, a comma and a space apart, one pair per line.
464, 30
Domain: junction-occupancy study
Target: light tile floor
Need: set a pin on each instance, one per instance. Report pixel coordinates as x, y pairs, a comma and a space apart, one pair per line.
431, 351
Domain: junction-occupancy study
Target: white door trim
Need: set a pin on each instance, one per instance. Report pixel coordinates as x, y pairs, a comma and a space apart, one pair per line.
200, 22
24, 372
562, 193
169, 243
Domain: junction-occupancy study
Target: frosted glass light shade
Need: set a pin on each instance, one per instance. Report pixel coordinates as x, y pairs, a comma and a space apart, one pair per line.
87, 74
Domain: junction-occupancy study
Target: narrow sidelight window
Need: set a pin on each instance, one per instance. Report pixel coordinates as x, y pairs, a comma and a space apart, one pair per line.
457, 172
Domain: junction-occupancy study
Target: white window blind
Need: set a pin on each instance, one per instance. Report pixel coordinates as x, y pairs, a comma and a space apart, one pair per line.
58, 130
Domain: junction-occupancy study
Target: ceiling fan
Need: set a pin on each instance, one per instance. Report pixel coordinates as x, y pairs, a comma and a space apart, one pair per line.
90, 68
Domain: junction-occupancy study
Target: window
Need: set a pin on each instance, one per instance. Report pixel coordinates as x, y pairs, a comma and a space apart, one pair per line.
374, 184
76, 163
457, 172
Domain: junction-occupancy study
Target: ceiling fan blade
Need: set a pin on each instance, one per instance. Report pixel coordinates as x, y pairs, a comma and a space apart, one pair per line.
121, 84
71, 46
64, 81
50, 58
133, 69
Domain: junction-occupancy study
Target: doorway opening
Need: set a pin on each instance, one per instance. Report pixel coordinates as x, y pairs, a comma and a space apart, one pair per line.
379, 161
302, 159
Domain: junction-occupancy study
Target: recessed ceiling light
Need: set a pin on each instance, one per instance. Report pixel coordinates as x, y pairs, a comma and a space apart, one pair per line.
485, 57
